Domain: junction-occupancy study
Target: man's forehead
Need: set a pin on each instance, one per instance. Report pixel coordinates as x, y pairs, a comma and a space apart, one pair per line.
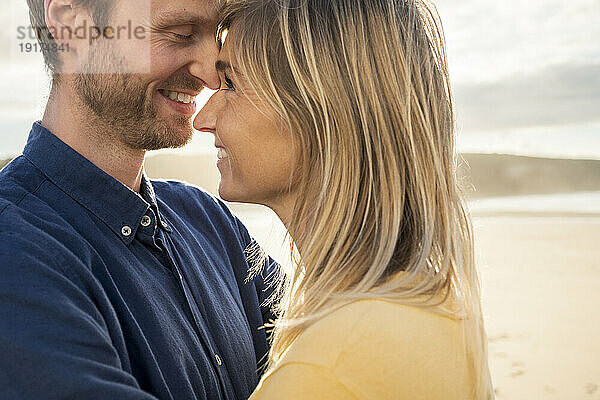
185, 11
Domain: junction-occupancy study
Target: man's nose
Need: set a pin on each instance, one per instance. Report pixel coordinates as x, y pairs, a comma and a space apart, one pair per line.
203, 64
206, 119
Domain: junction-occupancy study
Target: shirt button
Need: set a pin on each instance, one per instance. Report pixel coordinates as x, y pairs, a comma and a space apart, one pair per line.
146, 220
218, 359
126, 231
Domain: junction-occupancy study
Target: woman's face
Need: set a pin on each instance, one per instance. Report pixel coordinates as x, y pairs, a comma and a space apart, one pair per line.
255, 155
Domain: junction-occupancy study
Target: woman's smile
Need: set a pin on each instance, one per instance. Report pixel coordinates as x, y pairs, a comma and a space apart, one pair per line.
221, 154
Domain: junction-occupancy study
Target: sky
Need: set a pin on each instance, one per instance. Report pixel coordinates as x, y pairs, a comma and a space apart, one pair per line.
525, 76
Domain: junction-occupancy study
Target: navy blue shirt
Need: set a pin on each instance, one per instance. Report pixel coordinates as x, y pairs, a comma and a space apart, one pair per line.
110, 294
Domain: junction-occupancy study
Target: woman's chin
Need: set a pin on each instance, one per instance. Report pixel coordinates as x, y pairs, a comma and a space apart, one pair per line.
228, 193
224, 193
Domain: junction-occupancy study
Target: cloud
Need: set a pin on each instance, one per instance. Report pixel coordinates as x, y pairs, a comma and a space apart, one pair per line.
488, 39
555, 95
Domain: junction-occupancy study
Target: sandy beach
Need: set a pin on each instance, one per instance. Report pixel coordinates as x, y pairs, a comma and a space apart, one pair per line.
540, 295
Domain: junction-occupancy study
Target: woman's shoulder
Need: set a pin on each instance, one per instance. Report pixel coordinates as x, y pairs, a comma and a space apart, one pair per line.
382, 318
392, 322
372, 327
366, 343
323, 340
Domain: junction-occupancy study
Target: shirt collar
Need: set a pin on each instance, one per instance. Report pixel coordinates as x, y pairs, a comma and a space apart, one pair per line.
114, 203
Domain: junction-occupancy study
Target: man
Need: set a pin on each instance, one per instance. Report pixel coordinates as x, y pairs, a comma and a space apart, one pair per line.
113, 286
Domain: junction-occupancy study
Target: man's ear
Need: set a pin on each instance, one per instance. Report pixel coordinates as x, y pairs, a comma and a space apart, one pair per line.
62, 19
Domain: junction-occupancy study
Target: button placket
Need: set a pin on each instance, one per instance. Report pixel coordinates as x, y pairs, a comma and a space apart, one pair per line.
196, 314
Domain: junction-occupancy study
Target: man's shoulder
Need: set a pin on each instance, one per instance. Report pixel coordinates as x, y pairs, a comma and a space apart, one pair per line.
41, 226
18, 179
16, 184
27, 243
30, 228
20, 205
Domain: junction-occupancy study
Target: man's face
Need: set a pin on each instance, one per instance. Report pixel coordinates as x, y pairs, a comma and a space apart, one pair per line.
144, 89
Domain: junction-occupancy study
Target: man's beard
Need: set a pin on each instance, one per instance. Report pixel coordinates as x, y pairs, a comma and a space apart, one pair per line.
120, 100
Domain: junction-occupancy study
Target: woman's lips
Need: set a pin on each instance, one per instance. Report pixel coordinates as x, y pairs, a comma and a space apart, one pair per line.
221, 153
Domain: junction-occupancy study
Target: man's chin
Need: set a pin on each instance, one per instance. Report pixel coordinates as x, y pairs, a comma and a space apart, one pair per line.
164, 134
174, 141
182, 135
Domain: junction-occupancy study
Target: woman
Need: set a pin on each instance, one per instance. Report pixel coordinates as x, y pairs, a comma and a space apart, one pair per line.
338, 116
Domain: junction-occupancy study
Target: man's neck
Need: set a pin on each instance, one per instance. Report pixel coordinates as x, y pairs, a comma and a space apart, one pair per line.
77, 126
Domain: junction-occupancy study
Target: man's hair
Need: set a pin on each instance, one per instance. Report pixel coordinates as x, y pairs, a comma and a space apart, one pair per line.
100, 11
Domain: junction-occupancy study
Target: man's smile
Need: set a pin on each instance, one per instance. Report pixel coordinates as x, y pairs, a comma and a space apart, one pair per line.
180, 97
182, 103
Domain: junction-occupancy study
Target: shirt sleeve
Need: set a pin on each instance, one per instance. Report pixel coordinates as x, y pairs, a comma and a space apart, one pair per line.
54, 341
301, 381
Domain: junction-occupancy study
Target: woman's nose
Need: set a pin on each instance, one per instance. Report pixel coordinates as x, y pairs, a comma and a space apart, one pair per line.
206, 119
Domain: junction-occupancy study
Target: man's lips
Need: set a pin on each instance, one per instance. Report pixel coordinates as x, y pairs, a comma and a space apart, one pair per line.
181, 103
190, 92
181, 97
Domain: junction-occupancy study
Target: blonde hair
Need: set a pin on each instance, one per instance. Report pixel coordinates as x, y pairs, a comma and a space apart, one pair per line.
363, 87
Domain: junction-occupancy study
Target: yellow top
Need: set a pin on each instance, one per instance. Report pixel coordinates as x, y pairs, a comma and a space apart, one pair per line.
375, 350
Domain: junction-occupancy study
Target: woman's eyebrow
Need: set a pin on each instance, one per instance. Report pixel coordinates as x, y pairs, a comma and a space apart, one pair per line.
221, 65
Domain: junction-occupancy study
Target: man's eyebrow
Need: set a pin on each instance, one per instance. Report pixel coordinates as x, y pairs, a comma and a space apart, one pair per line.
174, 18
